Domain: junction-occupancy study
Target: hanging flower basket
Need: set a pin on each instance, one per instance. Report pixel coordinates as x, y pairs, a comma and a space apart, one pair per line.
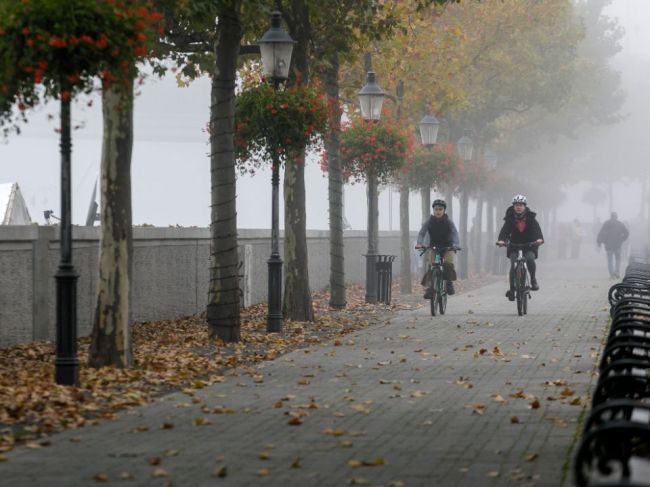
277, 125
382, 147
54, 49
431, 168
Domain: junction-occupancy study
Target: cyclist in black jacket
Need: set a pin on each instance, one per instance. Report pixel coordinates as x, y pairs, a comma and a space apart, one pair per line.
441, 232
520, 227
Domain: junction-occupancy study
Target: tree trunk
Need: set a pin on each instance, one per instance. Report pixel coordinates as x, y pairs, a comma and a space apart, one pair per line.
297, 304
463, 271
405, 238
111, 336
335, 186
223, 292
479, 234
425, 198
449, 198
489, 248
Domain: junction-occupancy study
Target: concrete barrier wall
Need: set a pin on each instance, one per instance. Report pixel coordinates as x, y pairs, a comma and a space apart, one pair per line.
170, 273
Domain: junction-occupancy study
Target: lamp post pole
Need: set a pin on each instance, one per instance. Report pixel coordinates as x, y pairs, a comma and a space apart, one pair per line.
371, 99
66, 362
275, 47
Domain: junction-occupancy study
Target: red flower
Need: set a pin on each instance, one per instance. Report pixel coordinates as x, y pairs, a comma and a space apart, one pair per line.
58, 42
102, 42
65, 95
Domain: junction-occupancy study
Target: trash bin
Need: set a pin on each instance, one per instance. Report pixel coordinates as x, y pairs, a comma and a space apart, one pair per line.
384, 267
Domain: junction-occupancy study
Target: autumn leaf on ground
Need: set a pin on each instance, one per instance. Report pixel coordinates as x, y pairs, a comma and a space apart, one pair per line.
534, 404
361, 408
263, 472
100, 477
167, 426
345, 444
420, 393
126, 476
296, 463
333, 432
220, 471
530, 457
478, 408
358, 481
154, 461
295, 421
514, 420
497, 398
160, 472
201, 422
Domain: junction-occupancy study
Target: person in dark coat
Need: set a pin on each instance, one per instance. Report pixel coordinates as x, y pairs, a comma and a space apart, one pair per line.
613, 233
519, 227
440, 231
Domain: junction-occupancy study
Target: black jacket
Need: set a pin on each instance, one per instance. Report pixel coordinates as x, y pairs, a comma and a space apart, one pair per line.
509, 231
613, 233
441, 231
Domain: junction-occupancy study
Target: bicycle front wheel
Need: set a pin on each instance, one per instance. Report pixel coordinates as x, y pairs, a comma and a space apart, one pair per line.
434, 292
520, 291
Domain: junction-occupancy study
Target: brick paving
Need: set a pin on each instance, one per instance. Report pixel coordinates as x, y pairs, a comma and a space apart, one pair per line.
478, 397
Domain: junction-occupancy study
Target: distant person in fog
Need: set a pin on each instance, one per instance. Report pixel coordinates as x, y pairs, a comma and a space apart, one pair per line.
577, 232
612, 234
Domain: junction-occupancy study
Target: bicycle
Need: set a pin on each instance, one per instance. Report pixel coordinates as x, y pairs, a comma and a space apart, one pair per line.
438, 298
522, 282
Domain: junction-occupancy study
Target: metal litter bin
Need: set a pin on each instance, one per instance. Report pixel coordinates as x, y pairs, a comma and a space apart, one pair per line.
384, 267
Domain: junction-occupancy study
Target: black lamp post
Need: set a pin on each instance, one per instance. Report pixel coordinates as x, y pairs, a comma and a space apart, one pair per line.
66, 363
276, 47
371, 99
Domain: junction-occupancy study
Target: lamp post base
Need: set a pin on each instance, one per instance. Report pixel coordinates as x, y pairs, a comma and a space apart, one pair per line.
66, 362
274, 321
371, 278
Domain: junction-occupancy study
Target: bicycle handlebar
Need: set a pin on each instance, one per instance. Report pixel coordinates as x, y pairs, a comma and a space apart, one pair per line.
527, 245
440, 249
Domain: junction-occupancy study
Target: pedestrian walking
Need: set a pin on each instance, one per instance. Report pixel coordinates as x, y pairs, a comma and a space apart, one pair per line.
612, 234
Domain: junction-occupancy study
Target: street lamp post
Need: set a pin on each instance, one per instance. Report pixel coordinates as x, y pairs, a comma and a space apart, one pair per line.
66, 362
276, 47
371, 99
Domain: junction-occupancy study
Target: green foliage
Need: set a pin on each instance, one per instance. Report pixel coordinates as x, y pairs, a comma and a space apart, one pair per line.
277, 124
56, 48
381, 147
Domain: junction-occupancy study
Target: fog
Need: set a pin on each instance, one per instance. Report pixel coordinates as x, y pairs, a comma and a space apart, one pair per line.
171, 166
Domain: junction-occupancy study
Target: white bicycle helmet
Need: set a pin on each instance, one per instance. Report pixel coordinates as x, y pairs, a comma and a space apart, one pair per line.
520, 198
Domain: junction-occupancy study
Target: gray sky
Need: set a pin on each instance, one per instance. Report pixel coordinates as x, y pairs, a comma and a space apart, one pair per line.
171, 166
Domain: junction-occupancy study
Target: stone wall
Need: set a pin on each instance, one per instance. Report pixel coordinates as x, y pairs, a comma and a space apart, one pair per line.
170, 273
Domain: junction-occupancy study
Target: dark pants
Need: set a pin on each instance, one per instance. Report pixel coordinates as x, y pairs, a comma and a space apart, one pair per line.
530, 263
614, 262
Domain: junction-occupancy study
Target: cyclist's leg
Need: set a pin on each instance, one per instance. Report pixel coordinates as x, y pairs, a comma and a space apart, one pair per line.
426, 278
510, 294
617, 262
449, 271
532, 269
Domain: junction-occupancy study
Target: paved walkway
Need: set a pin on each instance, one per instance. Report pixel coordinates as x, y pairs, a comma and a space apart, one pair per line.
479, 397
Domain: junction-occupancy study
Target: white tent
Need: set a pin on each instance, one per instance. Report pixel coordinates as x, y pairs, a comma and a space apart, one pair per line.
13, 210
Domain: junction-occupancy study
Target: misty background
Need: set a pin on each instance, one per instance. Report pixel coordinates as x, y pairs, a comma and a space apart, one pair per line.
170, 169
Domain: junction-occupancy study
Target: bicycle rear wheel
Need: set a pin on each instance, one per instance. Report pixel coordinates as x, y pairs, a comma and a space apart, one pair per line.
434, 292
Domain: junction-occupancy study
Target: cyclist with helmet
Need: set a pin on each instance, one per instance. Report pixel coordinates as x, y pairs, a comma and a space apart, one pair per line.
441, 232
520, 226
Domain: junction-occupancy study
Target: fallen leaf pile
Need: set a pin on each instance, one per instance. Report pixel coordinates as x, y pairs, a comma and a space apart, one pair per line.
168, 355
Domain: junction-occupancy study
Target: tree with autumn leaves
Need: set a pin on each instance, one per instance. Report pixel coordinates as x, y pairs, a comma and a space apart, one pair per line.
55, 51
